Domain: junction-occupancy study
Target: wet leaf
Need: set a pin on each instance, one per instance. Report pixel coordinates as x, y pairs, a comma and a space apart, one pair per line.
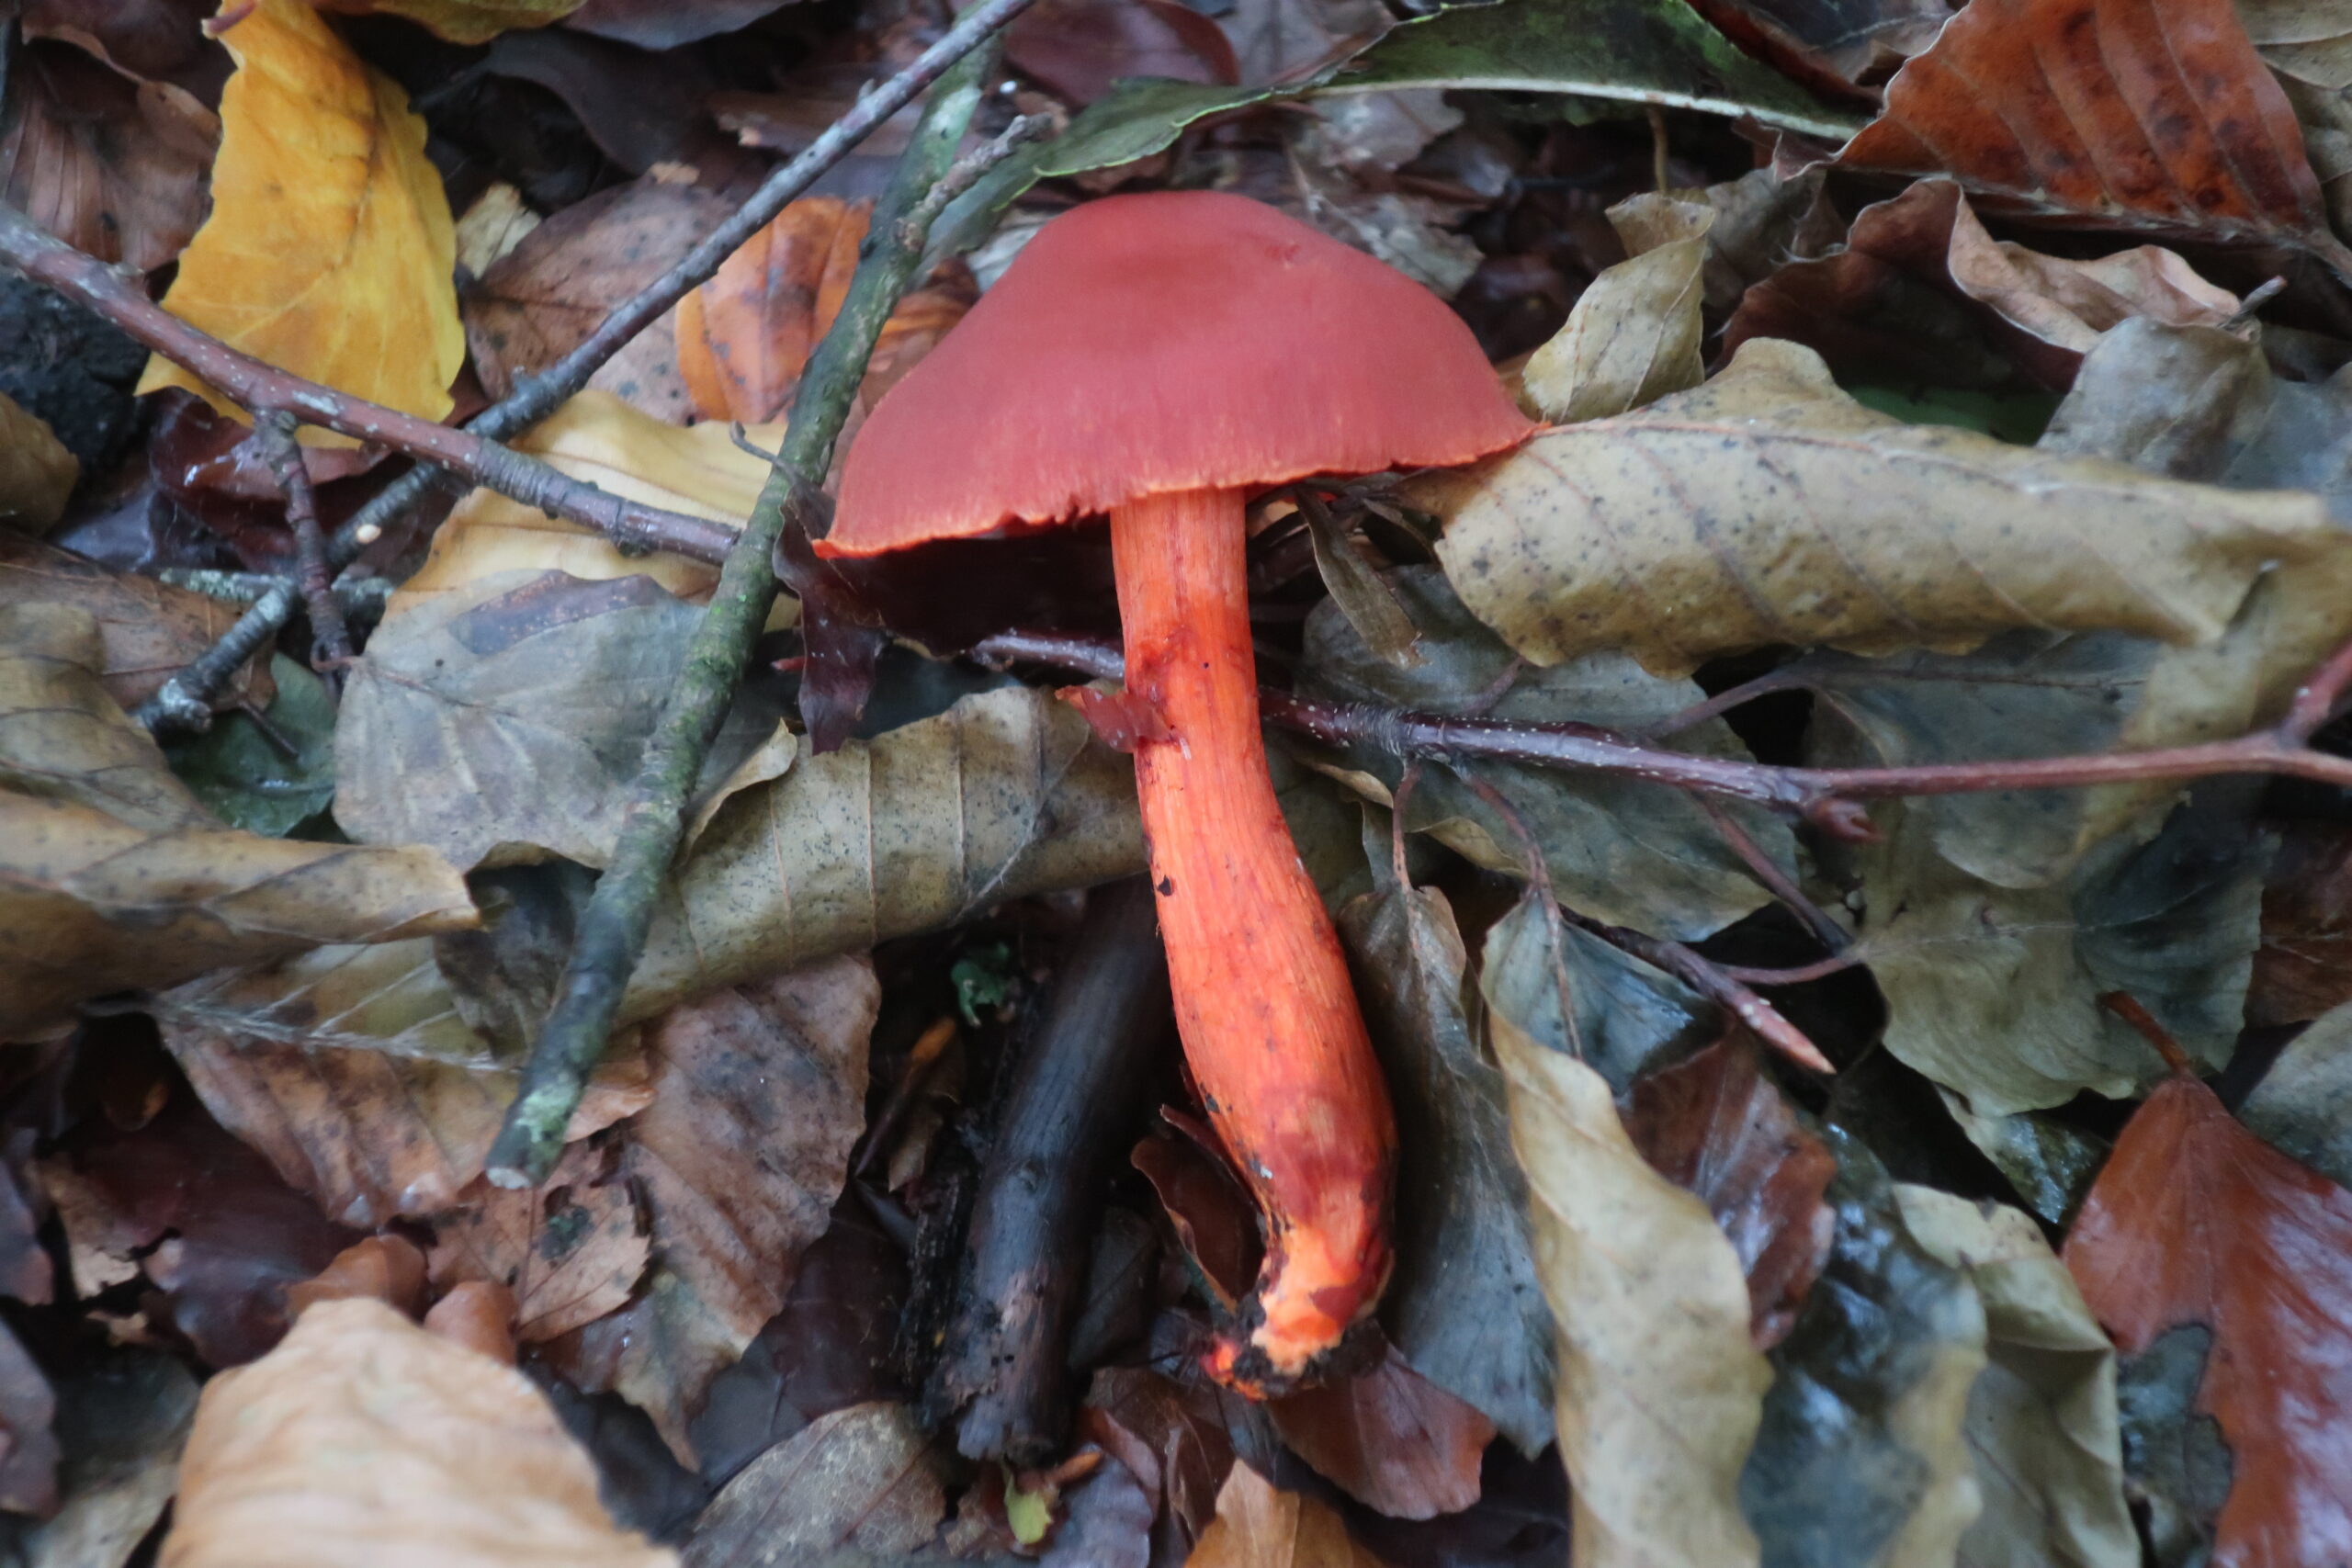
1394, 1441
1830, 47
112, 166
1862, 1457
1659, 1387
118, 879
1464, 1307
1583, 998
2305, 966
1716, 1127
2303, 1104
1861, 305
1078, 48
330, 246
613, 445
36, 473
1619, 849
1768, 507
2041, 1417
863, 1478
121, 1422
506, 719
1180, 1440
1257, 1527
238, 771
758, 1097
2196, 1221
363, 1436
2142, 117
543, 298
149, 630
1634, 335
464, 21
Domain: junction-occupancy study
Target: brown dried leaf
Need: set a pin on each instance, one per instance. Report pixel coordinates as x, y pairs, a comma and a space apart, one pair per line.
2305, 965
36, 473
1716, 1126
543, 298
1078, 48
1768, 507
1634, 335
570, 1250
1390, 1438
1257, 1526
110, 166
2196, 1221
863, 1478
116, 879
363, 1440
330, 248
1177, 1438
2151, 115
150, 630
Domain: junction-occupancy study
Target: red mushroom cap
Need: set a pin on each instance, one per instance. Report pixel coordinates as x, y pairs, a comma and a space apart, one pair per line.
1178, 341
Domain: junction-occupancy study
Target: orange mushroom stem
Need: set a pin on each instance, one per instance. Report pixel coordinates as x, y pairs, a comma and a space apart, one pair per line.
1155, 359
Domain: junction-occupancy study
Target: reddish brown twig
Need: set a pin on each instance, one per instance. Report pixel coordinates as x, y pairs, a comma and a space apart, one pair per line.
2125, 1006
274, 434
1828, 798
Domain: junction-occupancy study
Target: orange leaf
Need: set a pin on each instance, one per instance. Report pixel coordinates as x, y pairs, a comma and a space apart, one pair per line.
1257, 1527
2196, 1221
2153, 114
745, 336
330, 248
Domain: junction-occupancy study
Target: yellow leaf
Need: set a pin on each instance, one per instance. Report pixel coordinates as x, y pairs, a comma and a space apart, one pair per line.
330, 249
465, 21
597, 437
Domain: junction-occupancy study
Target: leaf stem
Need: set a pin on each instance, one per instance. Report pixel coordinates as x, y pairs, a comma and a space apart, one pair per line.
611, 930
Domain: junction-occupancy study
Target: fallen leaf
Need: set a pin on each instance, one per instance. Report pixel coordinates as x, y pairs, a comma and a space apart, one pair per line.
2303, 1104
118, 878
1835, 47
36, 473
598, 438
543, 298
1394, 1441
1660, 1388
114, 168
363, 1439
758, 1098
386, 1267
1180, 1440
267, 773
150, 631
2141, 115
150, 40
1716, 1127
1078, 48
203, 1216
2176, 1460
28, 1448
568, 1251
1634, 333
1106, 1522
27, 1272
1464, 1307
662, 24
463, 21
2041, 312
1257, 1527
1619, 849
121, 1422
1862, 1455
506, 719
863, 1478
1768, 507
2041, 1416
329, 250
1591, 1001
745, 336
2196, 1221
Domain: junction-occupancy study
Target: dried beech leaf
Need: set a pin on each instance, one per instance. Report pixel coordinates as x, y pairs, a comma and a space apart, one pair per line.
2138, 116
609, 443
2303, 1104
112, 166
1716, 1127
330, 247
1634, 333
362, 1440
1257, 1527
1660, 1388
2196, 1221
863, 1478
1388, 1438
36, 473
568, 1251
1768, 507
150, 630
116, 879
505, 720
2041, 1416
465, 21
2304, 967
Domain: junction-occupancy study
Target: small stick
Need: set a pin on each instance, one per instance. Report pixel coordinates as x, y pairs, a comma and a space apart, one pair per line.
362, 598
1070, 1107
612, 930
968, 169
273, 433
2125, 1006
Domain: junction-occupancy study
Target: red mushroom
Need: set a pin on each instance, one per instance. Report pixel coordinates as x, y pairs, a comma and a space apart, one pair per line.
1156, 358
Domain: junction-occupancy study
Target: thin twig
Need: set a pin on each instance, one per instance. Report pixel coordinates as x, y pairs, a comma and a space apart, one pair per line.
1768, 872
968, 168
611, 931
274, 434
1828, 798
361, 598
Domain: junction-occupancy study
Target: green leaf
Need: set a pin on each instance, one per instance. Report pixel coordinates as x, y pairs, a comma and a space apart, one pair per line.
245, 778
